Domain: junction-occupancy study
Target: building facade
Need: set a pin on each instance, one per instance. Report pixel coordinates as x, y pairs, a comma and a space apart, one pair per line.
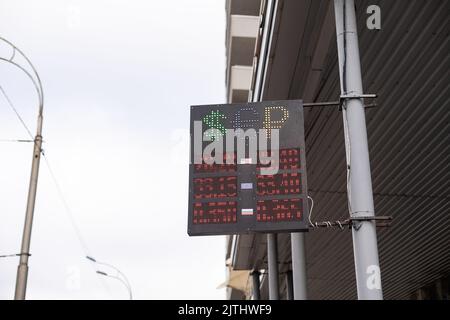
287, 49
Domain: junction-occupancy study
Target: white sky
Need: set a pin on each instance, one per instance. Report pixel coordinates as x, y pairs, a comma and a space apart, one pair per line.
118, 77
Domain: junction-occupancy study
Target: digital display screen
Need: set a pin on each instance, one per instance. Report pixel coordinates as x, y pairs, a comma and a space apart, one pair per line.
237, 191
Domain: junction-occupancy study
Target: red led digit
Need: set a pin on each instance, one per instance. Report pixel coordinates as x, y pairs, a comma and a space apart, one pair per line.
288, 159
228, 165
215, 187
279, 210
279, 184
215, 212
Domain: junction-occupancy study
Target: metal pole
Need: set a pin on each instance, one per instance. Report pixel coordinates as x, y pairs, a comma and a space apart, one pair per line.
256, 285
272, 257
359, 188
22, 270
299, 265
257, 95
270, 12
289, 286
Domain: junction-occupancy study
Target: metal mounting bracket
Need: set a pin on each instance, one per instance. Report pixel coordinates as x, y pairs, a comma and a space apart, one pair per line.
344, 97
355, 222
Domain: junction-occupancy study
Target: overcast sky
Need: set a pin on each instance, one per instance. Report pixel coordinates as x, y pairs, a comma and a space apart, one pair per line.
119, 77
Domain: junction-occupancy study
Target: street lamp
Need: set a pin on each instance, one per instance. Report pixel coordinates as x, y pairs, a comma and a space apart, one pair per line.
22, 270
117, 278
124, 278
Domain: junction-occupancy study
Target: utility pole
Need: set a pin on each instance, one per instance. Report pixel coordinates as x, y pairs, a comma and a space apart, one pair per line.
22, 270
359, 182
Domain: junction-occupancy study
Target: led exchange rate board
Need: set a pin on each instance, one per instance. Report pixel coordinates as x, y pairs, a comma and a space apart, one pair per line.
247, 169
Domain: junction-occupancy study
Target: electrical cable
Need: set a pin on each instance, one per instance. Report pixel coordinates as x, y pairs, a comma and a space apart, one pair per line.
59, 190
16, 112
344, 110
70, 215
310, 211
68, 211
14, 255
16, 140
327, 224
66, 206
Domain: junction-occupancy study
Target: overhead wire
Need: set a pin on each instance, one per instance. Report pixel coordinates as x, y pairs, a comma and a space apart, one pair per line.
16, 140
67, 210
11, 105
72, 221
66, 206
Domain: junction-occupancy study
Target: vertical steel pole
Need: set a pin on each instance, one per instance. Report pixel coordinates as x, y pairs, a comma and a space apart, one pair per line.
289, 286
360, 195
257, 95
272, 257
256, 285
299, 265
22, 270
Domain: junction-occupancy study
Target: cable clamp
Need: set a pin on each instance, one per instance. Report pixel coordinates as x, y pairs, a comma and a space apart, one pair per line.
344, 97
23, 254
355, 222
